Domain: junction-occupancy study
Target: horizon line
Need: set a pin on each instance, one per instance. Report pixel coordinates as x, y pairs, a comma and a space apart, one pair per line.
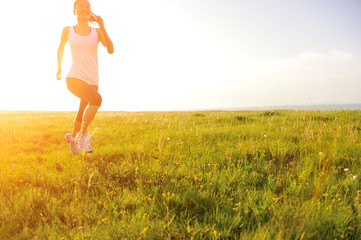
305, 107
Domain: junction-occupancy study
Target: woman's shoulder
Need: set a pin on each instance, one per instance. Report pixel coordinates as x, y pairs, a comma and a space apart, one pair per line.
66, 30
64, 34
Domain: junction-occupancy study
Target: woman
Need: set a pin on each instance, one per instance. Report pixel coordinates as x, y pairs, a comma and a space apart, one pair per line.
82, 79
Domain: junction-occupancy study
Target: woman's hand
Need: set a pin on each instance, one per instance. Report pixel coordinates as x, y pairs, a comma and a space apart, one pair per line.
99, 20
58, 74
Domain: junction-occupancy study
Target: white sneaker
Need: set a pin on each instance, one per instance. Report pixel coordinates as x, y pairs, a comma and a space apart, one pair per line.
83, 143
72, 145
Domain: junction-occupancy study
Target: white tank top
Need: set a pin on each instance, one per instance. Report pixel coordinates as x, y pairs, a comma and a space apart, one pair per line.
84, 55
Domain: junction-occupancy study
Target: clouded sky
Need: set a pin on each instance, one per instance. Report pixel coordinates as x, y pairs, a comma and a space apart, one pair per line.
187, 54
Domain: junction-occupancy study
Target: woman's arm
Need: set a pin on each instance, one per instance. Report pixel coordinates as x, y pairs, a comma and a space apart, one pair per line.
103, 35
63, 41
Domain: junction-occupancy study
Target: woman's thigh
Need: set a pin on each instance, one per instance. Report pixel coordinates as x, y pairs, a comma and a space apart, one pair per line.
84, 91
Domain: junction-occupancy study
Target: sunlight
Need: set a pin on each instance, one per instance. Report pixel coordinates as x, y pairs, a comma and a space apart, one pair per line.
176, 55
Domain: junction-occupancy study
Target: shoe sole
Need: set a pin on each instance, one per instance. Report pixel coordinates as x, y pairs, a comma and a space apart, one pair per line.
86, 151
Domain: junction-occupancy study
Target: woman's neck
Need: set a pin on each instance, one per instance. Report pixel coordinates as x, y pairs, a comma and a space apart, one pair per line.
82, 23
82, 28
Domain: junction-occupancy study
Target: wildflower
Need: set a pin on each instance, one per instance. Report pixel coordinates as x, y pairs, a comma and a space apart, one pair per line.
80, 228
265, 136
346, 169
354, 177
168, 139
320, 153
266, 162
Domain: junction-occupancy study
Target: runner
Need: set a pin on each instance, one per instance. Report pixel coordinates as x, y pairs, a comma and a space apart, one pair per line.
83, 78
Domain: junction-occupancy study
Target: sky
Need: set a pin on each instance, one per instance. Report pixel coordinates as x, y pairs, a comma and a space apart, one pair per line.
188, 54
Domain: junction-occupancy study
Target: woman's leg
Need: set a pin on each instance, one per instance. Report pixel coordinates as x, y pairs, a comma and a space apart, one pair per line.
79, 117
89, 94
89, 115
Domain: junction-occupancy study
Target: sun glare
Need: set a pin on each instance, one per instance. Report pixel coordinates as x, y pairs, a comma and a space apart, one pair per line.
179, 55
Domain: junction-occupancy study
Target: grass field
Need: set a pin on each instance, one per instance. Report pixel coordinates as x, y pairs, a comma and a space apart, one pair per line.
183, 175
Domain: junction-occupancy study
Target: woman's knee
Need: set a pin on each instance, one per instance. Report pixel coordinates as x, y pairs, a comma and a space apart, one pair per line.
97, 100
